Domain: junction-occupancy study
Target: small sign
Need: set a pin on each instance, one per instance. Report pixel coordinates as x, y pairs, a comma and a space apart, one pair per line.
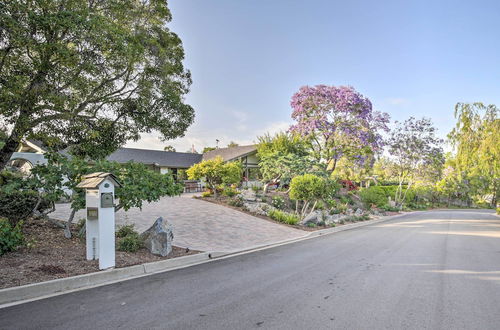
92, 213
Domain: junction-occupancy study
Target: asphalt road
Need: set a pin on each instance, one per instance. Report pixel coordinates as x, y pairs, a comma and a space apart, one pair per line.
430, 270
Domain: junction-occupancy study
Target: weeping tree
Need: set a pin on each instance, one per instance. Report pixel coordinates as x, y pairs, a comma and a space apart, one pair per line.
476, 142
90, 74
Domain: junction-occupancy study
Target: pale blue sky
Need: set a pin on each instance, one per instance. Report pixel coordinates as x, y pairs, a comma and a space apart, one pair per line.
247, 58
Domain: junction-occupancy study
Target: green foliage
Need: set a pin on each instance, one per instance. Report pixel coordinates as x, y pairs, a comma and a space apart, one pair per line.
236, 201
128, 239
282, 157
138, 183
256, 188
307, 187
215, 172
284, 217
206, 194
129, 243
229, 192
311, 225
10, 236
498, 210
17, 205
207, 149
125, 230
373, 195
104, 72
390, 208
474, 172
278, 202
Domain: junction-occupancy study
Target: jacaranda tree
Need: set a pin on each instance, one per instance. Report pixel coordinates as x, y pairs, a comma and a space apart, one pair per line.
90, 74
338, 122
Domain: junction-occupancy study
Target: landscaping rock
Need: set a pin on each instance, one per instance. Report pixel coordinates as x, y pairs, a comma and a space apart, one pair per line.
358, 212
258, 207
249, 195
332, 219
158, 238
315, 217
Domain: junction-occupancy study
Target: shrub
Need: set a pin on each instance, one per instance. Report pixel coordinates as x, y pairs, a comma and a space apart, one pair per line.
278, 202
390, 208
126, 230
311, 225
206, 194
230, 192
129, 243
10, 236
373, 195
284, 217
236, 201
216, 172
17, 205
256, 188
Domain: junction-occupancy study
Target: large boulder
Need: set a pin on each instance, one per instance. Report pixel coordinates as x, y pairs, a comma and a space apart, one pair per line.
315, 217
158, 238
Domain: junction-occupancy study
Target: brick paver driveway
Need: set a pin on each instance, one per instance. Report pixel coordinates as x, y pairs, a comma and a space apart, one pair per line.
200, 225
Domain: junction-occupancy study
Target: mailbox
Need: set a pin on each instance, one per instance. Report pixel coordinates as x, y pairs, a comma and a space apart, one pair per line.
107, 199
100, 224
92, 213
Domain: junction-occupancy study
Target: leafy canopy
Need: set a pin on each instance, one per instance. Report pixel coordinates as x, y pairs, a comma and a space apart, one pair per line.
283, 156
338, 122
90, 74
215, 172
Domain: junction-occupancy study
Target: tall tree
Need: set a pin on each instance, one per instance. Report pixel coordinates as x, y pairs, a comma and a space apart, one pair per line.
338, 122
413, 145
90, 74
169, 148
476, 139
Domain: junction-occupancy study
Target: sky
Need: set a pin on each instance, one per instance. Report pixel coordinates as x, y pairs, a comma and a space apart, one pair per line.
410, 58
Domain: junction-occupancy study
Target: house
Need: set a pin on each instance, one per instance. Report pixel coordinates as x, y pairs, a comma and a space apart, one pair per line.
160, 161
31, 153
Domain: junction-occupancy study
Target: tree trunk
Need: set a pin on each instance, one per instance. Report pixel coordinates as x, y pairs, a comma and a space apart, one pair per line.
9, 148
67, 228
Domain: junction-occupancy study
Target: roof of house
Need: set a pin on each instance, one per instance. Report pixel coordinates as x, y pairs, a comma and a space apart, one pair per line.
161, 158
230, 153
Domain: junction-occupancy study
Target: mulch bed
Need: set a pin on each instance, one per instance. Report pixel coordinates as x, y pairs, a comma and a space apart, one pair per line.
49, 255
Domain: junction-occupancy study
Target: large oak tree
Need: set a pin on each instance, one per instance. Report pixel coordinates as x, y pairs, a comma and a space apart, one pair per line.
90, 74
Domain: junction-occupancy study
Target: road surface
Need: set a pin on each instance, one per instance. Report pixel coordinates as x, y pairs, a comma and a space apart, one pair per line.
429, 270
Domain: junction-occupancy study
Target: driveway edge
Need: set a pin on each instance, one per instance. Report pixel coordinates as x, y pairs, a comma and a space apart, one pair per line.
35, 291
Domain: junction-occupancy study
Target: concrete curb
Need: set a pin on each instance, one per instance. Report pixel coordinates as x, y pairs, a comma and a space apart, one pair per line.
21, 294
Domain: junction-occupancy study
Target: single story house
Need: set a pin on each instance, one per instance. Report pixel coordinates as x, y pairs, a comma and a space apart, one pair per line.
31, 153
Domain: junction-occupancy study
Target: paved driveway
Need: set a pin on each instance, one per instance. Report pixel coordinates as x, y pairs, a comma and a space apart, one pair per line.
200, 225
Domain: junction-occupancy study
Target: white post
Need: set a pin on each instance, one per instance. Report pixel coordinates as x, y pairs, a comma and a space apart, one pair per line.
106, 225
92, 228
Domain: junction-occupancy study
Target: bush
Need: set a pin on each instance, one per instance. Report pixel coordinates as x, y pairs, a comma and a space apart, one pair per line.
373, 195
278, 202
284, 217
17, 205
236, 201
126, 230
206, 194
10, 236
390, 208
230, 192
129, 243
307, 187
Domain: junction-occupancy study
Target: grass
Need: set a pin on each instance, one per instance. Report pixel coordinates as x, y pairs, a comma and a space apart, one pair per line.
280, 216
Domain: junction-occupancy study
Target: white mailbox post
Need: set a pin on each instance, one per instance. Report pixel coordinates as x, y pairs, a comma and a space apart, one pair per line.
100, 225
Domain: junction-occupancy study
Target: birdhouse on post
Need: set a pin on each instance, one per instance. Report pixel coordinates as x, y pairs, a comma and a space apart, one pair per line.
100, 224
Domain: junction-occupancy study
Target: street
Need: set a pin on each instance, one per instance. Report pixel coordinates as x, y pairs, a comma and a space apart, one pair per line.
426, 270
